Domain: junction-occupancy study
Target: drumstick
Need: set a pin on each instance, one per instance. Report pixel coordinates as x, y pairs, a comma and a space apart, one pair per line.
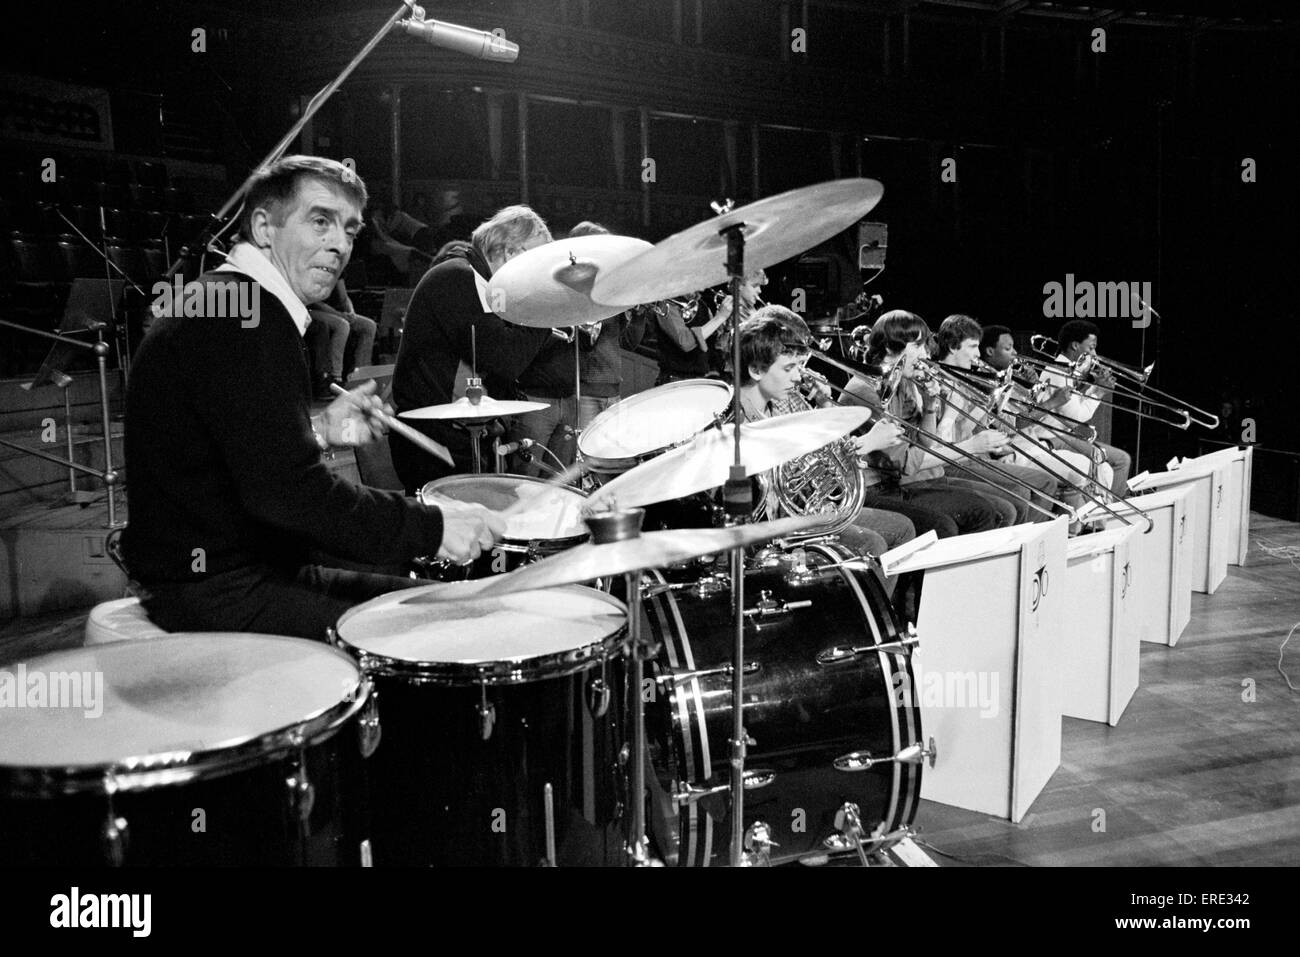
397, 425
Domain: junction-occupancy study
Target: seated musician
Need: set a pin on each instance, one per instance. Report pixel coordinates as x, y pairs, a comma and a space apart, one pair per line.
958, 343
228, 494
772, 353
908, 479
1078, 343
895, 528
1048, 449
449, 326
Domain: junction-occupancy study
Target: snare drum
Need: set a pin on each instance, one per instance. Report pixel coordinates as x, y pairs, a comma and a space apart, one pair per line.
189, 749
820, 701
551, 523
488, 703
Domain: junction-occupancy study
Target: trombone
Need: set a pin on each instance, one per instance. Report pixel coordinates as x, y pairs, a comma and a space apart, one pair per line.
914, 429
1075, 382
1137, 388
993, 414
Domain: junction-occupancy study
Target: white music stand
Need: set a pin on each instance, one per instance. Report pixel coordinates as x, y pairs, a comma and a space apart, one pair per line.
1163, 559
992, 608
1101, 647
1208, 518
1236, 494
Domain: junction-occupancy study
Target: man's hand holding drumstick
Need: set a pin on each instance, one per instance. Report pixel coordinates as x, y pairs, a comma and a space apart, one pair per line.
358, 417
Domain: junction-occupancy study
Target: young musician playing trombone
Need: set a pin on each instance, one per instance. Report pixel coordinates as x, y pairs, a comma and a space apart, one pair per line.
1077, 341
998, 348
958, 343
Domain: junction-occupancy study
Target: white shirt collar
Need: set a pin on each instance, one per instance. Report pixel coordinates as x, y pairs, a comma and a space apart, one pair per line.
248, 259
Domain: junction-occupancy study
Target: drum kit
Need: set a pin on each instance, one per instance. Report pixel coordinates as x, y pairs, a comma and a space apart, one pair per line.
560, 701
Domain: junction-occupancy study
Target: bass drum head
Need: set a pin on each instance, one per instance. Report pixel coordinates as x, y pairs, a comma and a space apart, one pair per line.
805, 707
501, 639
554, 512
651, 422
168, 702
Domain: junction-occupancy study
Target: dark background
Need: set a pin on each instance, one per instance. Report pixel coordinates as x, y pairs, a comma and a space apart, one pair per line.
1116, 166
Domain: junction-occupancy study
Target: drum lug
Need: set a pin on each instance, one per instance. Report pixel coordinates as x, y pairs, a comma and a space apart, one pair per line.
675, 677
115, 835
863, 761
754, 779
758, 845
837, 653
302, 793
487, 715
598, 694
768, 607
368, 728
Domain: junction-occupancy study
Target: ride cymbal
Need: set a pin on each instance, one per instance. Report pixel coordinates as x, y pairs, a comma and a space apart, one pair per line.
775, 229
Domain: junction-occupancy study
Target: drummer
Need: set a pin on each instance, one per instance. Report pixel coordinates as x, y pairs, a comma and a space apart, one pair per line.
229, 495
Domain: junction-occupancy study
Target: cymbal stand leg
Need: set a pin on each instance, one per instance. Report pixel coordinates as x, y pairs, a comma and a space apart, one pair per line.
637, 846
739, 504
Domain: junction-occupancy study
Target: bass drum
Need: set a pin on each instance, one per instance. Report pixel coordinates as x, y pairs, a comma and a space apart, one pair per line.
189, 750
820, 701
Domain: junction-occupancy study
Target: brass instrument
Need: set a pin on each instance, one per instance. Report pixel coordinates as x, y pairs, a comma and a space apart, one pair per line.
1132, 385
825, 482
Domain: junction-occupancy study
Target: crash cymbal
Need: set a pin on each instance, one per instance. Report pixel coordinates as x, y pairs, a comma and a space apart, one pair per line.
550, 285
463, 409
776, 228
589, 561
705, 462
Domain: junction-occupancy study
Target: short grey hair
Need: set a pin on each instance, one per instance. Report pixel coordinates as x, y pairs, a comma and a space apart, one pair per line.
508, 230
274, 187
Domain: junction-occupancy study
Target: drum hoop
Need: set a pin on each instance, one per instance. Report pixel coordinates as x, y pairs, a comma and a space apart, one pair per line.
506, 671
172, 768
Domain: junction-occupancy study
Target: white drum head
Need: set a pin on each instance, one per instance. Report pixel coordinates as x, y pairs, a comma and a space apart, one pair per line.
553, 511
654, 420
518, 627
176, 693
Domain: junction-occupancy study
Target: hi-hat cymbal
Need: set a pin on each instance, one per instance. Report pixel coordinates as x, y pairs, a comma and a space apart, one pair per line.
705, 462
590, 561
550, 285
464, 410
775, 229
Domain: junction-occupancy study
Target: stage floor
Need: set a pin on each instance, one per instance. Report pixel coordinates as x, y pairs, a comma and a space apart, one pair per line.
1193, 775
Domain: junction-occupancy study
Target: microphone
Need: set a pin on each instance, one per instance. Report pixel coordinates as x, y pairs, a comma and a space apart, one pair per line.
467, 40
512, 447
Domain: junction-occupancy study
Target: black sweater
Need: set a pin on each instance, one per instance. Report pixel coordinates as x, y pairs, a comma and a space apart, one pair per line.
436, 341
223, 459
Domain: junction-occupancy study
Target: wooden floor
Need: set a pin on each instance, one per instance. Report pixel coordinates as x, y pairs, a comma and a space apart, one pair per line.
1193, 775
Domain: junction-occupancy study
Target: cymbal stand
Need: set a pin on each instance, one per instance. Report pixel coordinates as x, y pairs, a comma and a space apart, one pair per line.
476, 428
615, 526
738, 500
